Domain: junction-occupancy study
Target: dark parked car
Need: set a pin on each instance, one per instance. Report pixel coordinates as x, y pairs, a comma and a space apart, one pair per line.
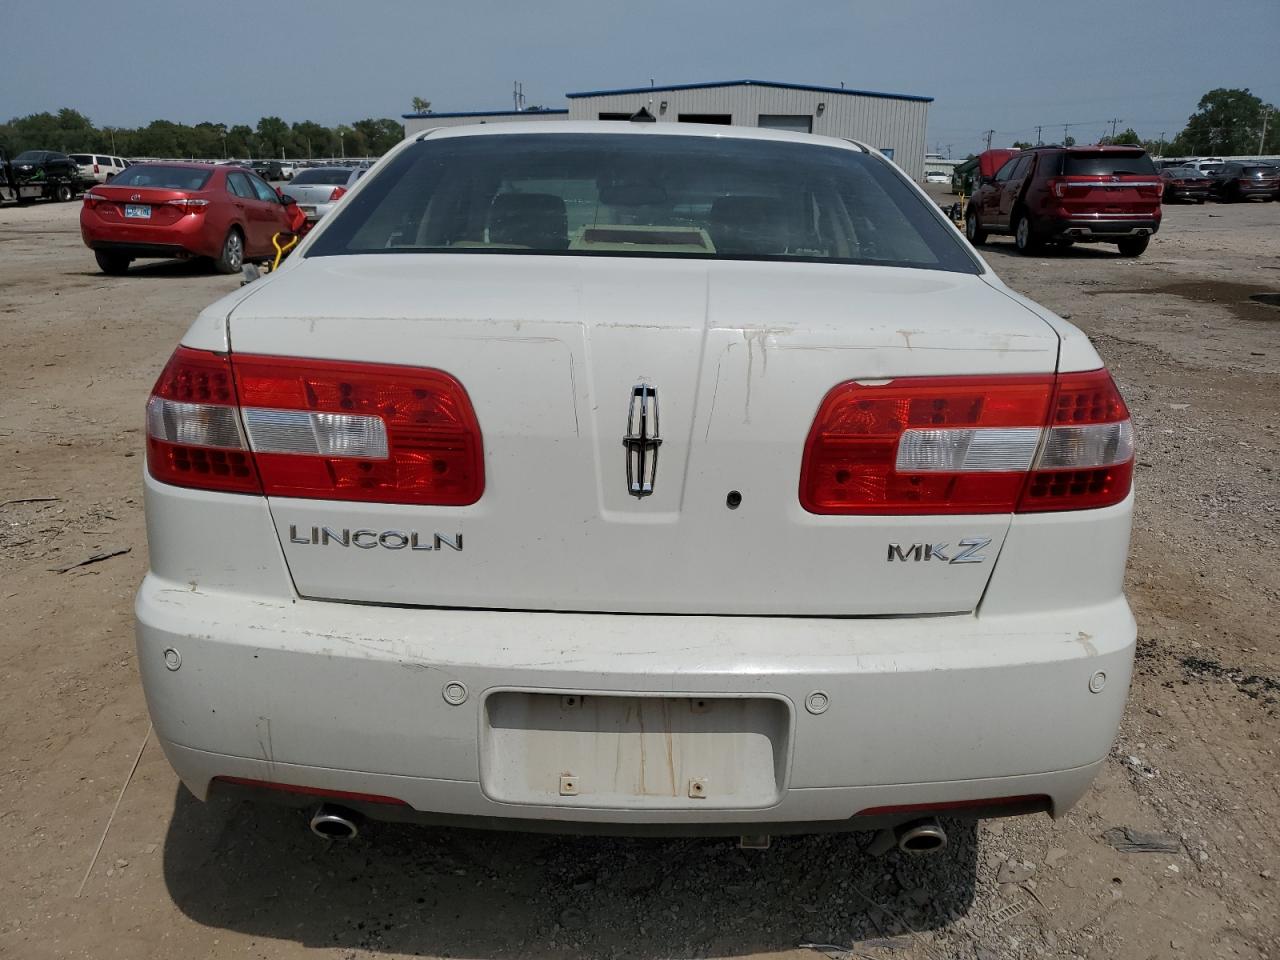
1186, 183
1063, 194
268, 169
1235, 181
44, 165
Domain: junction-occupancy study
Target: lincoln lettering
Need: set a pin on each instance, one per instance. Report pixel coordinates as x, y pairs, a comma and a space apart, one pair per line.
372, 539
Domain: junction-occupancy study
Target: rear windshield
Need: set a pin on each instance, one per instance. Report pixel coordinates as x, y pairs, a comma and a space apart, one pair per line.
166, 178
82, 157
636, 195
1261, 169
326, 177
30, 156
1105, 163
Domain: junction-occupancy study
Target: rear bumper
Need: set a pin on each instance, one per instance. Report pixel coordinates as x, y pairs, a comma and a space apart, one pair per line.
1101, 227
189, 236
928, 710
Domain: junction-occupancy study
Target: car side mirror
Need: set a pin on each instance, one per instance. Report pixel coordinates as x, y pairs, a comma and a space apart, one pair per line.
287, 200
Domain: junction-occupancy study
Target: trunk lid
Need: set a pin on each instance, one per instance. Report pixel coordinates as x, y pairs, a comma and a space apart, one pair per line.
549, 349
158, 203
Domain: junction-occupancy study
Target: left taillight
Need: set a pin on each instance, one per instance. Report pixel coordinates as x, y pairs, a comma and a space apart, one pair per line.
314, 429
966, 445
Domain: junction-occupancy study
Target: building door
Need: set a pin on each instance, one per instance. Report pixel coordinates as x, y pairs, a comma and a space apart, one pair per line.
795, 122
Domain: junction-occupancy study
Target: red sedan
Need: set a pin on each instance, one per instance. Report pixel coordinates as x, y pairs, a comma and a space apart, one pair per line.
226, 213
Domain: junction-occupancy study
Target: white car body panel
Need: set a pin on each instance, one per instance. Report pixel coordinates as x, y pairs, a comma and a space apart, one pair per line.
938, 682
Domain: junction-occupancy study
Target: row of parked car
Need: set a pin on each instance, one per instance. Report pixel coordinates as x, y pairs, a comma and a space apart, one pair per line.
1226, 182
90, 168
1058, 196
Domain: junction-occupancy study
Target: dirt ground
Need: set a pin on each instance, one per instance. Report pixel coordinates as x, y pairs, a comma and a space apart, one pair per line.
1195, 763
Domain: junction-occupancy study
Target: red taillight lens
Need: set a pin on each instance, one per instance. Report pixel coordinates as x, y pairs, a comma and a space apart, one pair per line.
1059, 187
355, 431
188, 204
338, 194
318, 429
954, 445
194, 437
313, 791
91, 200
923, 445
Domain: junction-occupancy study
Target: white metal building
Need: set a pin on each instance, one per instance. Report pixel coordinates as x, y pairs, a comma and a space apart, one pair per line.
894, 123
891, 122
417, 122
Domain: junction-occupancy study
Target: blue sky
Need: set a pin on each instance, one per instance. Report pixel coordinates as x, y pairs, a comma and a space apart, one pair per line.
1007, 66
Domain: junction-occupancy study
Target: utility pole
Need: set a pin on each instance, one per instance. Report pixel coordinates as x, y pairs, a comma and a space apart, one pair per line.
1162, 143
1039, 140
1266, 115
989, 134
949, 146
1065, 128
517, 95
1113, 121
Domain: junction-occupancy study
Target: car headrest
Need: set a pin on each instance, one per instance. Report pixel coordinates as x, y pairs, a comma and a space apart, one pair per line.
536, 220
758, 225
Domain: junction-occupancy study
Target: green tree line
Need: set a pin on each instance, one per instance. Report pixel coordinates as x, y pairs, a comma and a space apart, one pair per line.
1227, 122
1230, 122
72, 132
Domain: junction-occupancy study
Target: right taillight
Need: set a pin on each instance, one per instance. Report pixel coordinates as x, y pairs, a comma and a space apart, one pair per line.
967, 445
338, 194
314, 429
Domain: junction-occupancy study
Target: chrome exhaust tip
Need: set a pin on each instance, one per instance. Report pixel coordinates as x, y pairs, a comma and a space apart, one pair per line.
921, 836
335, 823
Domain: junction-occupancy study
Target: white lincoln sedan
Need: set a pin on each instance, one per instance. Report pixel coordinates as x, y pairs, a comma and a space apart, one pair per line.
638, 477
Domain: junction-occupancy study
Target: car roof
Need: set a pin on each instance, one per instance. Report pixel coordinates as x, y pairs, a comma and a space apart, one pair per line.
602, 127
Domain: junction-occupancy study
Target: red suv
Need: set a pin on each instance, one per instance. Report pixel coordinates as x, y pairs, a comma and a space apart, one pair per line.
228, 214
1063, 194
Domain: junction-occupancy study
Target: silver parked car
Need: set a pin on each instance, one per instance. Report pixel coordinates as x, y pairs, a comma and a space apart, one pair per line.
318, 189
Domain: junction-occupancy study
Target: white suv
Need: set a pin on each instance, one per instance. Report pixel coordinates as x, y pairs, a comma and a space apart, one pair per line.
99, 167
648, 476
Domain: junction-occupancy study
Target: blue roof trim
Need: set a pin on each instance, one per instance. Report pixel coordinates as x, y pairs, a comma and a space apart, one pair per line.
480, 113
750, 83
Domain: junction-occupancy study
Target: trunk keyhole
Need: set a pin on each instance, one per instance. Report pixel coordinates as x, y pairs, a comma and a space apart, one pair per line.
733, 500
